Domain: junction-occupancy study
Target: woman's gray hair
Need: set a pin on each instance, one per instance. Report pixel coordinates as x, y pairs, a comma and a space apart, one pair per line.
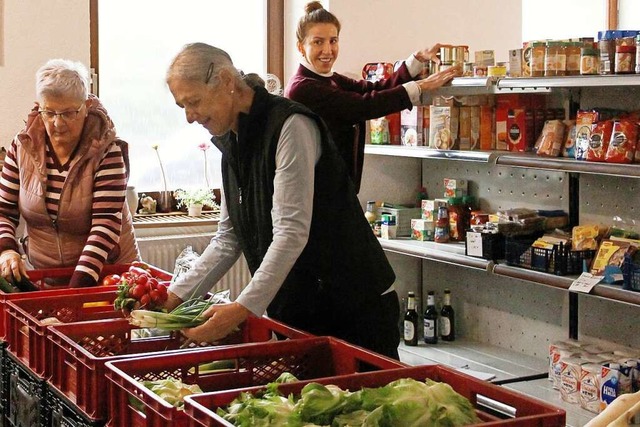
200, 62
62, 77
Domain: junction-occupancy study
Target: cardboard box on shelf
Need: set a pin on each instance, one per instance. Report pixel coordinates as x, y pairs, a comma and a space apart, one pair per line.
411, 126
455, 187
422, 229
443, 131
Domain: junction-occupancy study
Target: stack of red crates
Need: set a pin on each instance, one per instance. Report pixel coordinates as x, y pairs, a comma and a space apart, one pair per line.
25, 361
81, 350
527, 412
132, 404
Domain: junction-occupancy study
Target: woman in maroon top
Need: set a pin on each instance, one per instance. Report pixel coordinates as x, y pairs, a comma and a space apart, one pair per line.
344, 103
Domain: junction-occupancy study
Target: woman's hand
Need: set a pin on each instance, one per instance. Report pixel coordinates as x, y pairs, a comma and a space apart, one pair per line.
12, 266
429, 54
223, 319
438, 79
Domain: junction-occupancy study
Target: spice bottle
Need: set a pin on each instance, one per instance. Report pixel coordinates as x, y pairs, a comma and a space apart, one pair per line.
589, 61
389, 227
370, 214
441, 231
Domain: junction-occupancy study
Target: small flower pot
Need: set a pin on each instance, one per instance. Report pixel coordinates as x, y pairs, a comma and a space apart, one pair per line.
195, 210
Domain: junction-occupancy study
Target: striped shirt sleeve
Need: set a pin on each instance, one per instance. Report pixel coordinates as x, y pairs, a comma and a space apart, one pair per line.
9, 193
110, 184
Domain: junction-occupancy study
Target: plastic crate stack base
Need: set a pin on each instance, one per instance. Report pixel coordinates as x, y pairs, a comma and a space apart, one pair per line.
62, 412
27, 335
529, 412
62, 276
250, 365
26, 405
80, 351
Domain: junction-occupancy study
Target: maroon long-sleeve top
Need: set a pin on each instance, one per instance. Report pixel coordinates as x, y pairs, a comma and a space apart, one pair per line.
345, 104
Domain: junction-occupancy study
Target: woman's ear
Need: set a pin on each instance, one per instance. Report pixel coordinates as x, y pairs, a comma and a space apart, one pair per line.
301, 49
227, 80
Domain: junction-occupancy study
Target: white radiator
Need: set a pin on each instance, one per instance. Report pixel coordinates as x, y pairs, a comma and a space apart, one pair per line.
162, 251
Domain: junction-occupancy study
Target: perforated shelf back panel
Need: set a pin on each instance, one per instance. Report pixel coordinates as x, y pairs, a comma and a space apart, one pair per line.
500, 187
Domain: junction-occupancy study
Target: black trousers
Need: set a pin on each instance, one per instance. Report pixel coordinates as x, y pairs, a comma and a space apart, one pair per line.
372, 323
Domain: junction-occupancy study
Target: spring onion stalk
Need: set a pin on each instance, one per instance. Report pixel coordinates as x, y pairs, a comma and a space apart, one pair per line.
187, 315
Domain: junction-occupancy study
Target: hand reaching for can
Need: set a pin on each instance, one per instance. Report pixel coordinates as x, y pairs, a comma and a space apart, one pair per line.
439, 79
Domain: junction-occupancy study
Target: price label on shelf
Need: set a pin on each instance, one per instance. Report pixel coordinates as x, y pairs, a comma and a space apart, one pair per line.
585, 283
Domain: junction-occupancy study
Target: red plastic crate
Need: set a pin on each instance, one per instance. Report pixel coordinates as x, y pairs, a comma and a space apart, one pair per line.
80, 351
252, 364
529, 412
26, 333
39, 278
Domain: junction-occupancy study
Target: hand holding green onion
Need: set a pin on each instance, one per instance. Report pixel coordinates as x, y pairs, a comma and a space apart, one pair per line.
221, 320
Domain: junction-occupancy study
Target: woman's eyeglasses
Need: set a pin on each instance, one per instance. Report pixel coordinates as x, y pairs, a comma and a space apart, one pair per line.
67, 116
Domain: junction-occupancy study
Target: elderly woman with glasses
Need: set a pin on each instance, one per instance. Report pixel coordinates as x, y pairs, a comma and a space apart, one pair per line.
65, 176
289, 207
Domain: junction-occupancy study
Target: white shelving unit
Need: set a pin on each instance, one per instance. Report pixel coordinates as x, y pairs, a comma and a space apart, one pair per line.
524, 178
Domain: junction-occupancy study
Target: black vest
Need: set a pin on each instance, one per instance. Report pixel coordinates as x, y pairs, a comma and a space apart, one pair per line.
342, 256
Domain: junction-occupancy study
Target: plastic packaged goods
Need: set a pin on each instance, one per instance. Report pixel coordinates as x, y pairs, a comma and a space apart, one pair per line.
624, 138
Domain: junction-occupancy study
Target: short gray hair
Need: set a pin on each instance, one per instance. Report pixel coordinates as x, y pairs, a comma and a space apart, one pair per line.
197, 61
62, 77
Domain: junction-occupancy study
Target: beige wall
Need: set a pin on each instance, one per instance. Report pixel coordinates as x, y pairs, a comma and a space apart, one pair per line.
385, 30
373, 30
33, 32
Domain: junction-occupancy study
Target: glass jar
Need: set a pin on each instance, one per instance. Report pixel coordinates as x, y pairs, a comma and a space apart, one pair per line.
573, 58
561, 59
589, 61
625, 59
637, 54
537, 59
551, 59
607, 50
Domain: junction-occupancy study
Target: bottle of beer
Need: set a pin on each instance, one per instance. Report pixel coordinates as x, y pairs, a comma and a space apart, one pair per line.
447, 320
411, 321
431, 320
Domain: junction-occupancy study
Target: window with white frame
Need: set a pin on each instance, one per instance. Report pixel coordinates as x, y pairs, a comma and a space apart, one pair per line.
137, 41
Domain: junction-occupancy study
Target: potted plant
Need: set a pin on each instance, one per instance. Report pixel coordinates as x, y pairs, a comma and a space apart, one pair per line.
194, 200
